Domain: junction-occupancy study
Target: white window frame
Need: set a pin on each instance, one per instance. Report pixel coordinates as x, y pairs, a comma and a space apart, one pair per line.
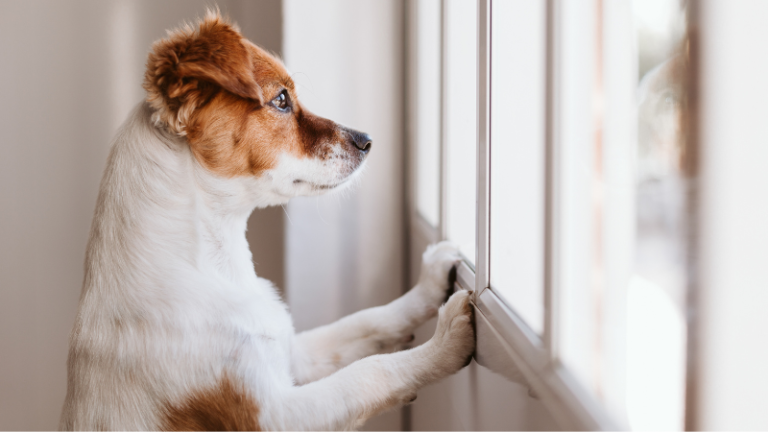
531, 359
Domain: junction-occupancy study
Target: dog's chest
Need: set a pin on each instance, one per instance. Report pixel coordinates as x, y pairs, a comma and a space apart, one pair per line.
263, 318
267, 322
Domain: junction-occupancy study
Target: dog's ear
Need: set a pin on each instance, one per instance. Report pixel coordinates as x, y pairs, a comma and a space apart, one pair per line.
191, 65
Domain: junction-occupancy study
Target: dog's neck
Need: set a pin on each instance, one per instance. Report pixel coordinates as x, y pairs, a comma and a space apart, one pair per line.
159, 211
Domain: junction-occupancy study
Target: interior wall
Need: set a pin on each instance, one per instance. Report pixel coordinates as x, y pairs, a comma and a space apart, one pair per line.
345, 251
262, 22
729, 378
69, 74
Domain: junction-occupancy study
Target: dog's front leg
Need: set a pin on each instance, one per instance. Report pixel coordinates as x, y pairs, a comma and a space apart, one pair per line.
320, 352
346, 398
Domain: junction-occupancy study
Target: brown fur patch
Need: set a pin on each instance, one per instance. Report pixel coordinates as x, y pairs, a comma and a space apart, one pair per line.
231, 137
226, 407
187, 68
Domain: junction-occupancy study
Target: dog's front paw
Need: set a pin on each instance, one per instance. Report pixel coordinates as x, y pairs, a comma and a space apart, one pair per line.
454, 339
437, 262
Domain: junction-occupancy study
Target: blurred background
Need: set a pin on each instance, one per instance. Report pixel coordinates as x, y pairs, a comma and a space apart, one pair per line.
615, 159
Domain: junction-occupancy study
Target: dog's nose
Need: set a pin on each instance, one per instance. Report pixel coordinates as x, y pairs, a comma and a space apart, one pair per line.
362, 141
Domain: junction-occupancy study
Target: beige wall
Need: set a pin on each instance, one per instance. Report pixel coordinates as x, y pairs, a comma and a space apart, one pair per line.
728, 374
69, 73
346, 252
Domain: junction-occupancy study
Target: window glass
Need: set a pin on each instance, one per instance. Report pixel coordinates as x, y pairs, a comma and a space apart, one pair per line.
622, 205
518, 99
656, 298
427, 111
460, 130
579, 264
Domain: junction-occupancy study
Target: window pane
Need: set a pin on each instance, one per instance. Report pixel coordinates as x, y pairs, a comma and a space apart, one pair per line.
656, 294
579, 267
427, 112
460, 75
517, 156
622, 200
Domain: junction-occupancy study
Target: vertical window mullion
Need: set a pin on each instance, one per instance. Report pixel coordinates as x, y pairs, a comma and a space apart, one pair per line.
482, 258
443, 227
551, 253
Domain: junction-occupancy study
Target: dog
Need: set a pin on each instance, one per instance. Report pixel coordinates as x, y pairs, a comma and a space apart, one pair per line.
175, 331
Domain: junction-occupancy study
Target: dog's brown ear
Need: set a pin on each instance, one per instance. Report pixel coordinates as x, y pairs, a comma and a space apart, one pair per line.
191, 65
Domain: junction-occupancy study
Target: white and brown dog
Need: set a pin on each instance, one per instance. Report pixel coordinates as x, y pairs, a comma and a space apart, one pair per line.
174, 330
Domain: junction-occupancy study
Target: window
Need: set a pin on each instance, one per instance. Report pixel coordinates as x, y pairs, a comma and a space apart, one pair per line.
460, 122
561, 170
427, 110
517, 164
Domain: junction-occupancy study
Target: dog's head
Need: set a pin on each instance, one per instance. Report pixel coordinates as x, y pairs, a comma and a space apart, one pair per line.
238, 108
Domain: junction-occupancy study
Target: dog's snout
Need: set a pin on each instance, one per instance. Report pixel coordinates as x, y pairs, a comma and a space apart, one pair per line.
362, 141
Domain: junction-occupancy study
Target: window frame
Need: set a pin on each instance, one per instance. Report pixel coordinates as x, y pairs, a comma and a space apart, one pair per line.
535, 357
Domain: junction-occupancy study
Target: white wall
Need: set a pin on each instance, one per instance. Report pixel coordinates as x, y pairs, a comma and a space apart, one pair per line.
345, 253
70, 72
731, 380
345, 250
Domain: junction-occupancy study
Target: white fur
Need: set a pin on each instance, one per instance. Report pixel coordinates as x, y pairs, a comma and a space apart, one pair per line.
171, 301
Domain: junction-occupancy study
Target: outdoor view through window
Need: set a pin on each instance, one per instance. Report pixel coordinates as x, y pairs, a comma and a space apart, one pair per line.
657, 293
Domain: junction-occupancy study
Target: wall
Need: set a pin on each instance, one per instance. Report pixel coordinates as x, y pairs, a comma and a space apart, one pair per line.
345, 252
69, 74
729, 378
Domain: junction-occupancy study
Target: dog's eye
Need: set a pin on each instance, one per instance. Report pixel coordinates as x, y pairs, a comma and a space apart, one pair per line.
281, 101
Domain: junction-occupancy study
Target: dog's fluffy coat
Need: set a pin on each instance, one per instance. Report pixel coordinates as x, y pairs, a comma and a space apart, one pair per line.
174, 330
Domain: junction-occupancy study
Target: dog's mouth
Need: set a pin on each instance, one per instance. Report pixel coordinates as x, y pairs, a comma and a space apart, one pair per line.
318, 186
